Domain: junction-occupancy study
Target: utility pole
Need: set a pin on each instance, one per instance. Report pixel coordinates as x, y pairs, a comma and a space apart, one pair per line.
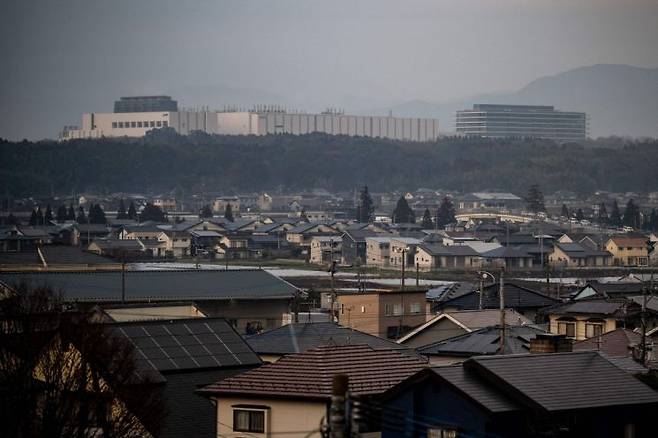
417, 275
332, 271
403, 263
502, 313
481, 275
123, 276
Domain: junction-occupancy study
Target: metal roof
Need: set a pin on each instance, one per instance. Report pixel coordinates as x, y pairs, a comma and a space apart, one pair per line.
106, 286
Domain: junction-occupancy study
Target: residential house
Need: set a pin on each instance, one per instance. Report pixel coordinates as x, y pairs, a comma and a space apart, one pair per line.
620, 342
571, 255
590, 318
246, 297
166, 204
301, 235
186, 354
325, 249
378, 251
84, 234
55, 257
294, 393
298, 337
434, 256
481, 342
628, 251
402, 251
12, 239
117, 248
204, 242
612, 289
147, 312
354, 246
508, 257
521, 298
220, 203
384, 313
177, 243
526, 395
450, 324
490, 200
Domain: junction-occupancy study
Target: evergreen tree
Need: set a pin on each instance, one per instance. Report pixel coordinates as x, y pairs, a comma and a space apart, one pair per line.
152, 213
403, 213
565, 211
39, 216
206, 212
97, 215
70, 215
132, 211
615, 214
632, 216
446, 213
121, 211
365, 207
580, 215
651, 224
81, 219
228, 212
602, 216
33, 218
48, 216
535, 199
303, 217
61, 214
427, 223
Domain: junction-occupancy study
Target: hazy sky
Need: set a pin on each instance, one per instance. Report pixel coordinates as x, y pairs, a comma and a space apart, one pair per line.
60, 58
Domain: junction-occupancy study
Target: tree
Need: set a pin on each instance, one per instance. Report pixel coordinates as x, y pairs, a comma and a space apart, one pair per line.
535, 199
81, 219
446, 213
580, 215
565, 211
88, 384
427, 223
632, 217
651, 224
615, 215
11, 220
365, 207
228, 212
70, 215
403, 213
206, 212
97, 215
39, 216
33, 218
152, 213
121, 211
61, 214
48, 216
602, 215
132, 211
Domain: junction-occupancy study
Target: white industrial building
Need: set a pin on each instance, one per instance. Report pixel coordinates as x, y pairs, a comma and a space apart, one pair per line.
261, 121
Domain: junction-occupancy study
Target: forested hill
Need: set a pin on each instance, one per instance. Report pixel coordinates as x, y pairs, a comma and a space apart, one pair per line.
165, 161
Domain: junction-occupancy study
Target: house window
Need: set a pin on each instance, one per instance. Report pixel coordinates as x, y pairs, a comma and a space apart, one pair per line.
248, 421
114, 125
133, 124
159, 123
414, 308
164, 123
593, 329
397, 309
120, 124
139, 124
388, 310
363, 309
567, 328
440, 432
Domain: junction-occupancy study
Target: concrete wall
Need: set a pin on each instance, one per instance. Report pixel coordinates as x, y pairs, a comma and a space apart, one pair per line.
281, 417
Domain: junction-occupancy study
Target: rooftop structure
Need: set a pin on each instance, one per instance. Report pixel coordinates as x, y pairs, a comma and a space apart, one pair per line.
145, 104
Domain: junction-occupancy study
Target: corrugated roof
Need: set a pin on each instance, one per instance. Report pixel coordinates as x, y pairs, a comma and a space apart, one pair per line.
160, 285
562, 381
298, 337
310, 374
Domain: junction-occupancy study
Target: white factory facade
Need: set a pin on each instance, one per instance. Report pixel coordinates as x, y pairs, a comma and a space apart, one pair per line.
259, 121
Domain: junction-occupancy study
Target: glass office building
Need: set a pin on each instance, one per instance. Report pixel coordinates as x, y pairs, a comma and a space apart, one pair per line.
521, 121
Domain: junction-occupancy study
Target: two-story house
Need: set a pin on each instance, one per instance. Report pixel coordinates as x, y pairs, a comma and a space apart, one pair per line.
628, 251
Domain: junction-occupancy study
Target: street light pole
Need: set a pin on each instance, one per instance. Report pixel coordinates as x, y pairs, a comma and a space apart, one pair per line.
483, 275
502, 313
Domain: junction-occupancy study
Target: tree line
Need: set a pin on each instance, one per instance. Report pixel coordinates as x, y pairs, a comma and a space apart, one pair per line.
200, 163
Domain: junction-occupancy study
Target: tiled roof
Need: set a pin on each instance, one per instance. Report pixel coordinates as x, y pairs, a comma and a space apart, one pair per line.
515, 296
160, 285
310, 374
634, 242
299, 337
54, 255
593, 306
562, 381
484, 341
615, 343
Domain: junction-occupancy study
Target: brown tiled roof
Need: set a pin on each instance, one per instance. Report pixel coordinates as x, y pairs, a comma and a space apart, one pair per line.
630, 241
309, 374
615, 343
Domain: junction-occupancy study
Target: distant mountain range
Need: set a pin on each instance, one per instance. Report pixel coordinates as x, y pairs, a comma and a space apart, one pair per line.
619, 99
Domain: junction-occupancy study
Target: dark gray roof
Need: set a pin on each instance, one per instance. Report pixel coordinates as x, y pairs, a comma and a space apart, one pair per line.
484, 341
593, 306
506, 252
447, 291
54, 255
562, 381
298, 337
515, 296
452, 250
160, 285
484, 394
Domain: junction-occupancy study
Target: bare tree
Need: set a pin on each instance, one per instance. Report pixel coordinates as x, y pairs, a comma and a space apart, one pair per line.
63, 376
